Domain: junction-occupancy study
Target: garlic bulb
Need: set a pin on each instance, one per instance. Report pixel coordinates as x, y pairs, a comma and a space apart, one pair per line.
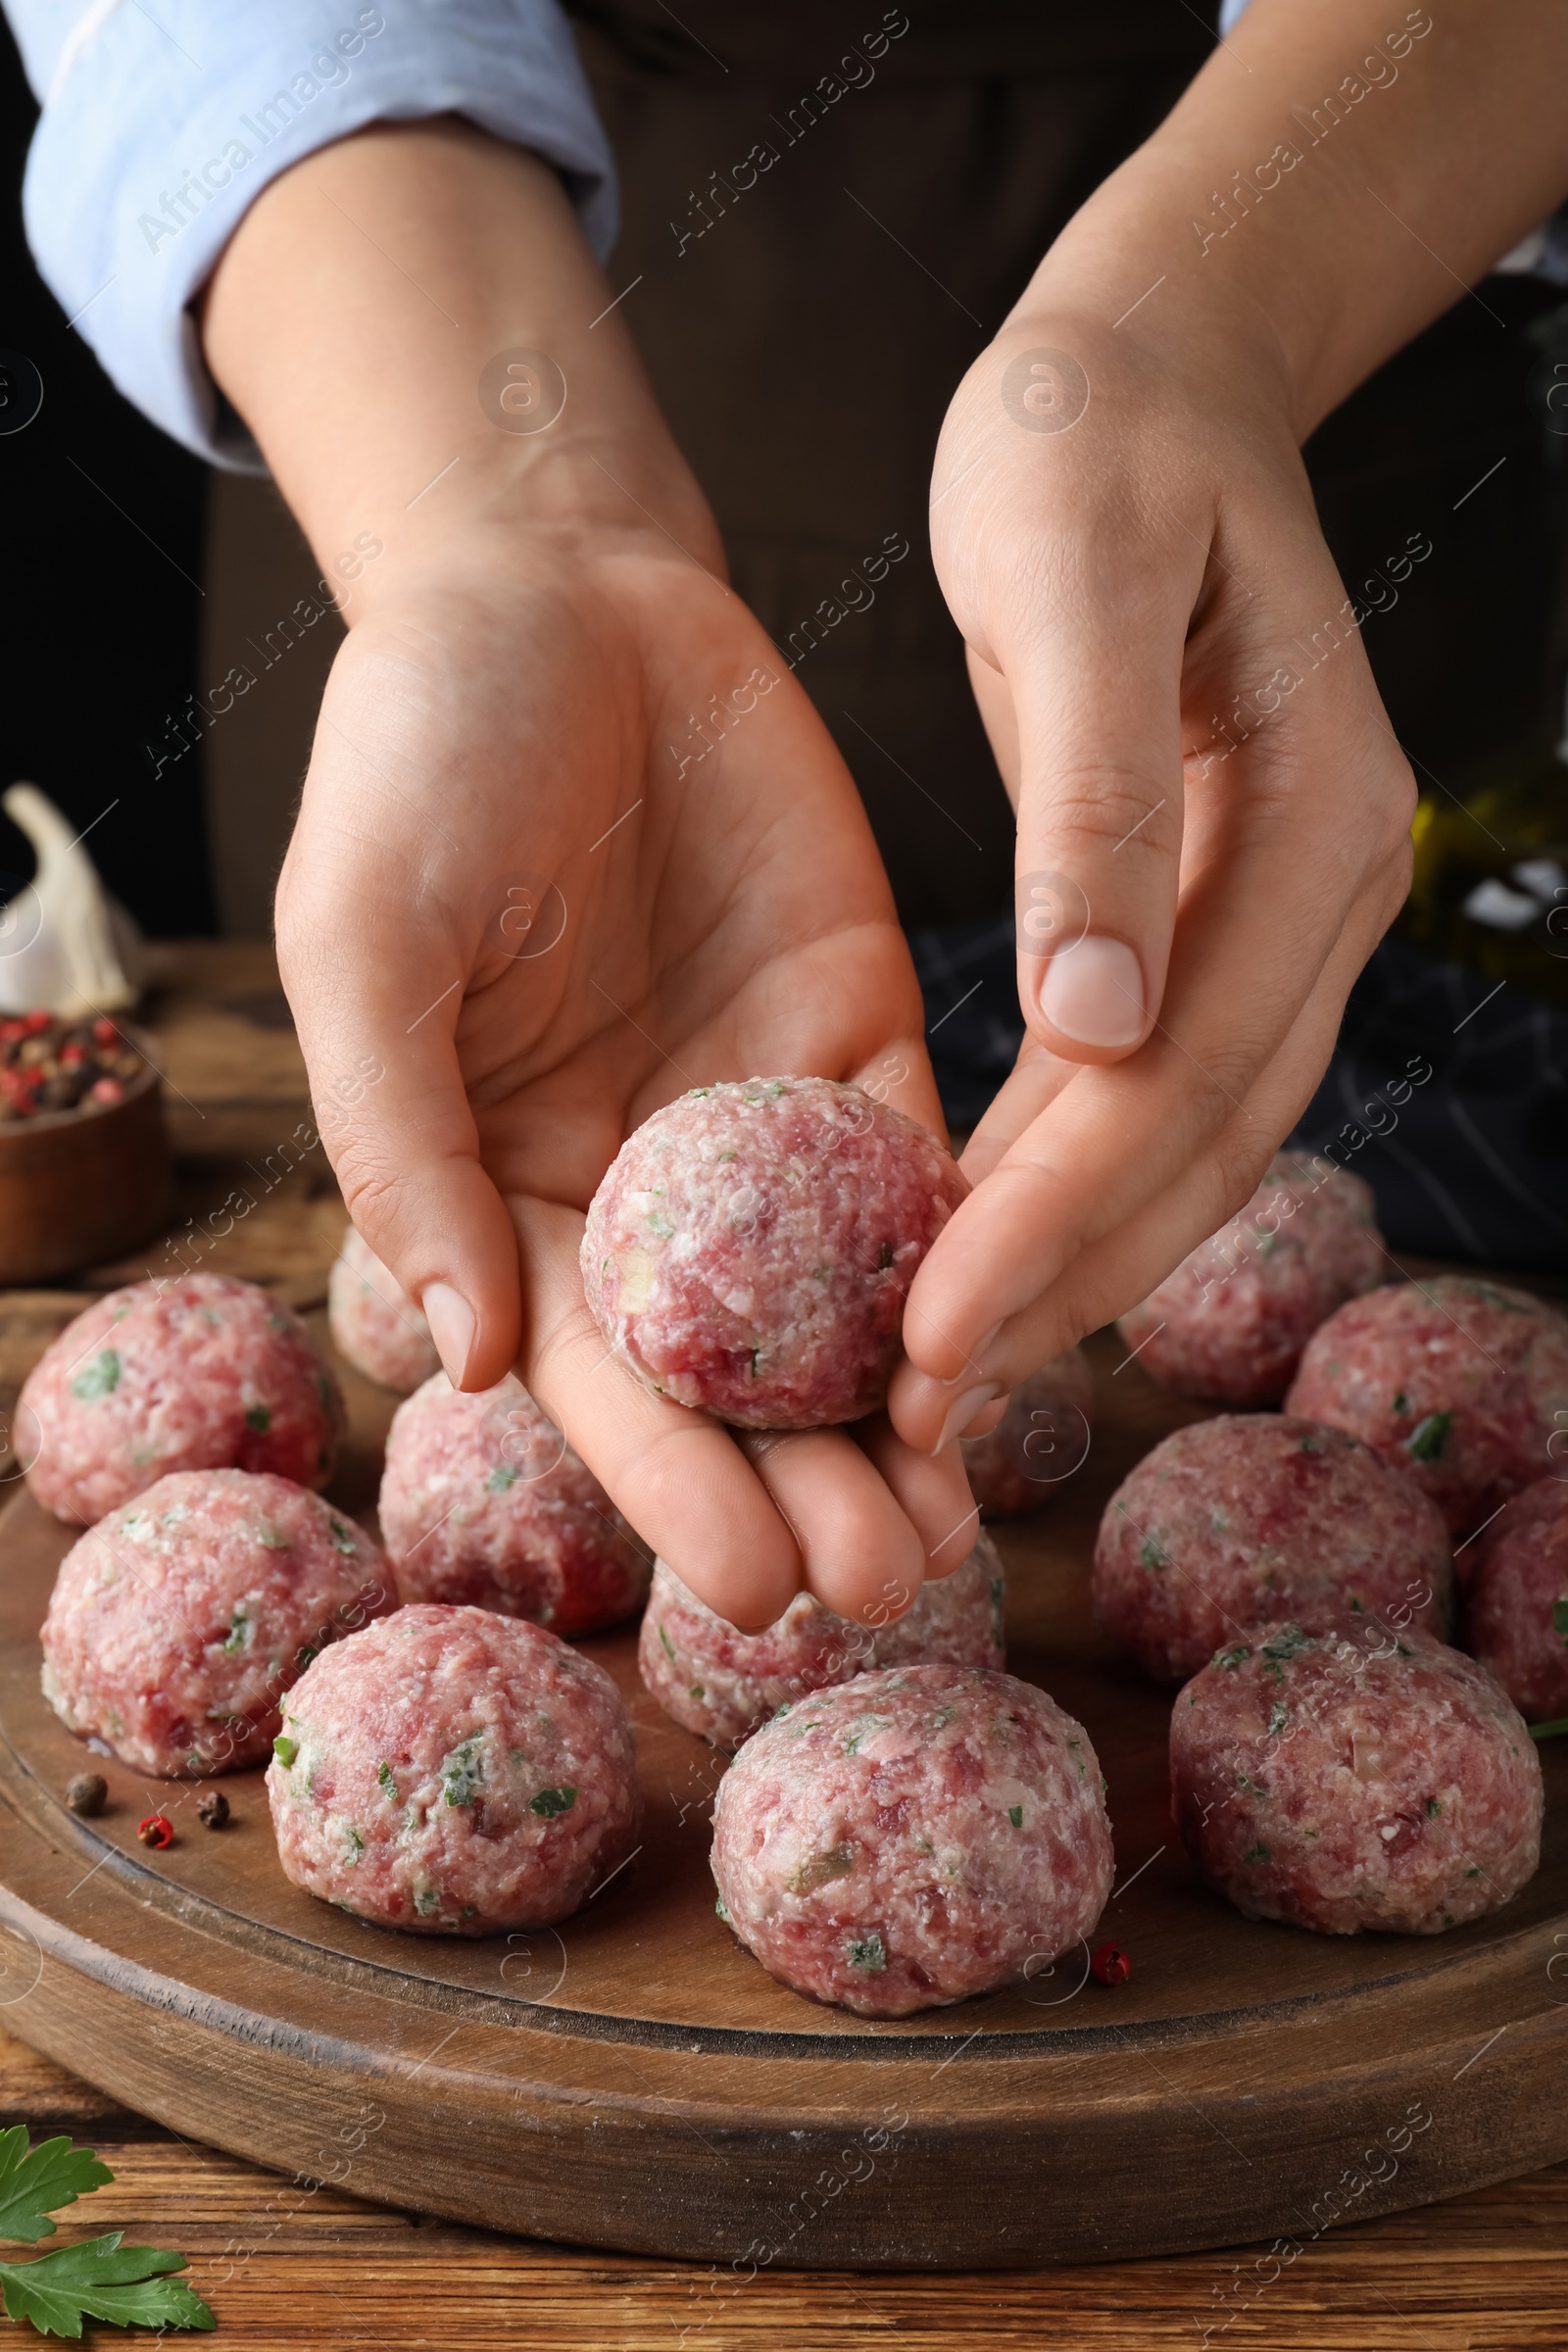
66, 947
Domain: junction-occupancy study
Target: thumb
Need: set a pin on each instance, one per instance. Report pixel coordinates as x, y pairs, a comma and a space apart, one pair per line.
1097, 703
376, 1008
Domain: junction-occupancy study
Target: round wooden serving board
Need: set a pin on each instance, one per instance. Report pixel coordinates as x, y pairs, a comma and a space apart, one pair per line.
636, 2081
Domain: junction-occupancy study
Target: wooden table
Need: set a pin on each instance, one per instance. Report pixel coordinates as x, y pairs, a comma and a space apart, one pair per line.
287, 2267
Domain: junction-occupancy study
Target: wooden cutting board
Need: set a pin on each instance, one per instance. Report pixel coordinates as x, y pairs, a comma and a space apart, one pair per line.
634, 2079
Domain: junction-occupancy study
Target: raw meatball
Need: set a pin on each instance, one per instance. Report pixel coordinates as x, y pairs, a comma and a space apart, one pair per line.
1041, 1439
483, 1502
1347, 1779
1233, 1522
206, 1373
1461, 1381
453, 1771
722, 1684
376, 1325
1518, 1600
1231, 1322
912, 1838
178, 1622
750, 1246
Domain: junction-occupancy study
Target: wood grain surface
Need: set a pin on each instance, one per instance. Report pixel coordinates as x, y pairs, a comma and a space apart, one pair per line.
289, 2263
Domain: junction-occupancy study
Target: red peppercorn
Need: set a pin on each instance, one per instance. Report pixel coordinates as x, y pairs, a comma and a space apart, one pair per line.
105, 1032
106, 1090
157, 1829
34, 1023
1111, 1964
73, 1057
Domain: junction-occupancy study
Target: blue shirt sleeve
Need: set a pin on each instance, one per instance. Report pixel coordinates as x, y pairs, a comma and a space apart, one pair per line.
163, 121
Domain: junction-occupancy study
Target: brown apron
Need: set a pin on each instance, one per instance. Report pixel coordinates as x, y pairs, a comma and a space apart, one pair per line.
825, 215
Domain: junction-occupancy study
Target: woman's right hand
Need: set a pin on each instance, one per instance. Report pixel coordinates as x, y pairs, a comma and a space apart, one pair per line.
572, 840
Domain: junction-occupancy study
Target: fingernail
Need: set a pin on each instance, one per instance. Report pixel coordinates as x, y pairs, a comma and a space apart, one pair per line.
976, 1356
452, 1327
962, 1412
1094, 993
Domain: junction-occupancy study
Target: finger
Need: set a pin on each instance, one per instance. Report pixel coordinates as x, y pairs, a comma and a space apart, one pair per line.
933, 1492
376, 995
1096, 686
681, 1480
1258, 927
862, 1556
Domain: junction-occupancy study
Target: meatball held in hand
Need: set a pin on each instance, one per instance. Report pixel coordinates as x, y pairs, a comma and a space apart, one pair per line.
1464, 1384
1231, 1322
1233, 1522
1041, 1440
912, 1838
206, 1373
750, 1246
1348, 1781
376, 1325
723, 1685
1517, 1601
179, 1621
484, 1502
453, 1771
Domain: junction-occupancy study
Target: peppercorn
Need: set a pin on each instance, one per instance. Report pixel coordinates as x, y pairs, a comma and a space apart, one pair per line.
157, 1829
1111, 1964
86, 1792
213, 1809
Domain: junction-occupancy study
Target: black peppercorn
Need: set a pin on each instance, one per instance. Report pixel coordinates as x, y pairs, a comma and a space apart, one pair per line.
213, 1809
86, 1794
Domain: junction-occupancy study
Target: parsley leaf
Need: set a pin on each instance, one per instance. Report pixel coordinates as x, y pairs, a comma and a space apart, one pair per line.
34, 2181
1559, 1618
1426, 1439
550, 1803
101, 2280
100, 1378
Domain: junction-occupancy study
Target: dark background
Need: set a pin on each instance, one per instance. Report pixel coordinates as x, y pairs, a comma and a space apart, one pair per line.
99, 606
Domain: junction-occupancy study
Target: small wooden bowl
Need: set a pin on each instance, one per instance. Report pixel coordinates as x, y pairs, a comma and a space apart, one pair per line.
79, 1187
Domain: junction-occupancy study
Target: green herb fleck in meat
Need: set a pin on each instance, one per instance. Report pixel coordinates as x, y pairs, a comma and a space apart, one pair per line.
1016, 1816
551, 1801
240, 1630
1286, 1641
1434, 1808
1232, 1657
1152, 1553
285, 1749
339, 1534
1276, 1718
867, 1952
426, 1900
1257, 1854
503, 1476
259, 1418
1426, 1439
670, 1649
462, 1770
1402, 1402
696, 1691
383, 1773
356, 1841
1559, 1618
100, 1378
